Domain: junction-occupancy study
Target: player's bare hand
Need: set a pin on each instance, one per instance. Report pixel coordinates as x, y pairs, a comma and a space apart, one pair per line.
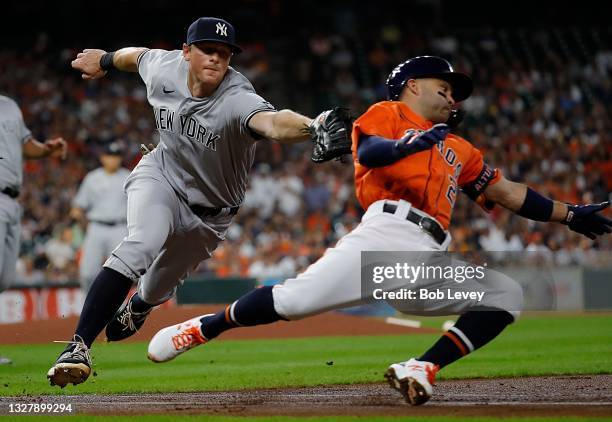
77, 213
88, 63
57, 147
146, 149
416, 141
587, 220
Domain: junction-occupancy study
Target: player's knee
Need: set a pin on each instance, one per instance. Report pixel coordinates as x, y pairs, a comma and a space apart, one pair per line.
156, 295
289, 305
512, 298
136, 256
505, 294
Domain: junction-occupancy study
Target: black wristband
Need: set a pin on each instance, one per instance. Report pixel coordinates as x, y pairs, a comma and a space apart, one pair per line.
536, 207
106, 61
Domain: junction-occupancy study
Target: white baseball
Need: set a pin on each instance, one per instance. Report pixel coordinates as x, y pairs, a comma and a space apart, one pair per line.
447, 324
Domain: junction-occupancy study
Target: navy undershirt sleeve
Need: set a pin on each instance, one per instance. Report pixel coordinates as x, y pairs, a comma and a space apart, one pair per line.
376, 151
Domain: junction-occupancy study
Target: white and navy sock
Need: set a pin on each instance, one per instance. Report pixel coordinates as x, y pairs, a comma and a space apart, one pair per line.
472, 330
254, 308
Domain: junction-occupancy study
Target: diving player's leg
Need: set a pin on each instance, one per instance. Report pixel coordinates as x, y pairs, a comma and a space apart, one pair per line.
113, 238
480, 322
185, 249
331, 282
151, 218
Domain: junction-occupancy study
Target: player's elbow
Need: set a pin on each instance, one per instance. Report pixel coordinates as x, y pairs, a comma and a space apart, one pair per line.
506, 193
362, 155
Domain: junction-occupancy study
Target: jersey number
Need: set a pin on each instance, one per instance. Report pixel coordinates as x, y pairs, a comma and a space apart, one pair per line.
451, 192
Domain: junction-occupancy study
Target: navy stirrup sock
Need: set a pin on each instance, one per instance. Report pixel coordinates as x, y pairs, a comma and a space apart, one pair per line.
472, 330
104, 298
254, 308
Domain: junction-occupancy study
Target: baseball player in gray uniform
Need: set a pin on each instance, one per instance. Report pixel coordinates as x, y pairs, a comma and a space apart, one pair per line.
16, 142
183, 195
102, 200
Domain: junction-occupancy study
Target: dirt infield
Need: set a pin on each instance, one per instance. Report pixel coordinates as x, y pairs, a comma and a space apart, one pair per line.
580, 396
328, 324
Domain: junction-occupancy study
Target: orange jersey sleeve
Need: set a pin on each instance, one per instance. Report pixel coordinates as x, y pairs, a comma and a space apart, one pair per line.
476, 176
378, 121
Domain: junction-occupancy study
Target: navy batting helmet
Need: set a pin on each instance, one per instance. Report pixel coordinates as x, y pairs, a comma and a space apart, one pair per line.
428, 67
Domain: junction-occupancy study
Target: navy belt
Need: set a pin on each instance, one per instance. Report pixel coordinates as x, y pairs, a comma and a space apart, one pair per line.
201, 211
428, 224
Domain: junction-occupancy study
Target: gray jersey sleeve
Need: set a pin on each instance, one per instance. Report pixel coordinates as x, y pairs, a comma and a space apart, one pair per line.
249, 105
149, 62
242, 103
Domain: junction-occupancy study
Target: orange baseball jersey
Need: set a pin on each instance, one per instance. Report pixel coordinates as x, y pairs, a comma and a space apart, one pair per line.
429, 180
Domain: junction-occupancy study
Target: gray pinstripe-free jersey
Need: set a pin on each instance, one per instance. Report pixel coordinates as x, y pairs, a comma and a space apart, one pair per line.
205, 147
13, 134
102, 196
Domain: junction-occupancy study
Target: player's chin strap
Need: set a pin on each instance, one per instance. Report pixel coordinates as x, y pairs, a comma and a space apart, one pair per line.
455, 118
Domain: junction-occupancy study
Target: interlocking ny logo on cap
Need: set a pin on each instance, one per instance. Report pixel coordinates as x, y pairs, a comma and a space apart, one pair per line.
221, 29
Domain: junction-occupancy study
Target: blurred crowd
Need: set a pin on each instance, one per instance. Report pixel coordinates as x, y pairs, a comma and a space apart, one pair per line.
538, 113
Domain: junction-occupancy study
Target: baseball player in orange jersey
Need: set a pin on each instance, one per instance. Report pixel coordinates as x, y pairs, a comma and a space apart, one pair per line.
408, 172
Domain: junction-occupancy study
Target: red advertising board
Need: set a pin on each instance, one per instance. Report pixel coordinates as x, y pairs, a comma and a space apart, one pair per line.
30, 304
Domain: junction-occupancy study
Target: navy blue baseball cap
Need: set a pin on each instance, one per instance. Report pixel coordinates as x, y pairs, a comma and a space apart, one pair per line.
428, 67
112, 148
213, 29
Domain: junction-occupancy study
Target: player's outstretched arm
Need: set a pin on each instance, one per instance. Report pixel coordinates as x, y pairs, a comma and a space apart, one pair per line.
376, 151
283, 126
524, 201
56, 147
94, 63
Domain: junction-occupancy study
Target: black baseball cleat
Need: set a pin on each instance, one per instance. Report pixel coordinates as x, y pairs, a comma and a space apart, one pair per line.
73, 366
126, 322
